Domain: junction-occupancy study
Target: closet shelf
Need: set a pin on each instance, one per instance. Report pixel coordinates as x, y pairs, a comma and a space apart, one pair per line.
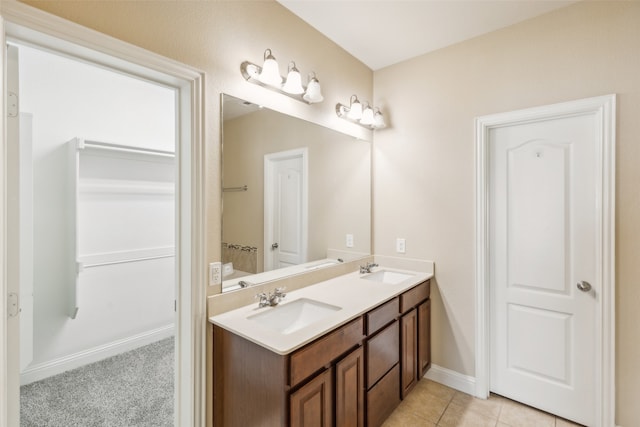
112, 170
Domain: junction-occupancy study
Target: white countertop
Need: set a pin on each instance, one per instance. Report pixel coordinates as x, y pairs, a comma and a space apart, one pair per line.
351, 292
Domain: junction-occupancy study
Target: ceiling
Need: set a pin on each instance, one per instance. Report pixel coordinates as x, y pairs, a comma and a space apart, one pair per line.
384, 32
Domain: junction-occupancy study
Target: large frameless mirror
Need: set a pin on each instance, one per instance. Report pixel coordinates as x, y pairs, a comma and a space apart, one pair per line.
296, 196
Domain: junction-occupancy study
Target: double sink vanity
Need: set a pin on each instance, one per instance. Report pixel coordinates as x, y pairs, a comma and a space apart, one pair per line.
343, 352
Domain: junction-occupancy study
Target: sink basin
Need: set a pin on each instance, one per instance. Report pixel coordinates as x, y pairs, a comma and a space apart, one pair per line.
292, 316
387, 276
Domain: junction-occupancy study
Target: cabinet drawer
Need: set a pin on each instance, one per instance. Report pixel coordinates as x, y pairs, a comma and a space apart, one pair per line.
378, 317
320, 353
383, 351
414, 296
383, 398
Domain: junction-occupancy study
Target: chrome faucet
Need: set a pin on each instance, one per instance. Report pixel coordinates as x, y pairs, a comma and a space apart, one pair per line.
367, 268
272, 299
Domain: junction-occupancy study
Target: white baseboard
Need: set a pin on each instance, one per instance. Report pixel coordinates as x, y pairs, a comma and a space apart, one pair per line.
453, 379
40, 371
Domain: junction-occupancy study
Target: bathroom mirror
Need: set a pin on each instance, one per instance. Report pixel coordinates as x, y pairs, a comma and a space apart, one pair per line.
296, 196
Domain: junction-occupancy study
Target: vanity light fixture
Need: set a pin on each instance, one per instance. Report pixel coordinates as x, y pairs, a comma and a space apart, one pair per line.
269, 76
367, 116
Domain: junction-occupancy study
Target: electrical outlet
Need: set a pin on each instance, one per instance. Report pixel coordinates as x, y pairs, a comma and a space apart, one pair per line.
401, 245
215, 273
349, 240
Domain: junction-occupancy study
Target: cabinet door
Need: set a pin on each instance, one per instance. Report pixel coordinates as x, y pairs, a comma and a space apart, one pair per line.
424, 337
350, 390
408, 351
311, 405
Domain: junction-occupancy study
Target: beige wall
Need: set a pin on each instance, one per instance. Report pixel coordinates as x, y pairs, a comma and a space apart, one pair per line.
216, 37
425, 161
339, 182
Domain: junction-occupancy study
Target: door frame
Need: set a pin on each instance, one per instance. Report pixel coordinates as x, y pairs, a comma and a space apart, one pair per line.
303, 153
604, 109
33, 26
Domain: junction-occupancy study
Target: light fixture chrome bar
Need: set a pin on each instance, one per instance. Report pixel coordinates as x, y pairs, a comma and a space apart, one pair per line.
268, 77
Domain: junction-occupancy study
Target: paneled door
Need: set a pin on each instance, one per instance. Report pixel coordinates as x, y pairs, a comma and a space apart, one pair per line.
543, 231
285, 218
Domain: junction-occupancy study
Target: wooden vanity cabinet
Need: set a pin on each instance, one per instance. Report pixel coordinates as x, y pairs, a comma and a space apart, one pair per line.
414, 336
424, 340
355, 375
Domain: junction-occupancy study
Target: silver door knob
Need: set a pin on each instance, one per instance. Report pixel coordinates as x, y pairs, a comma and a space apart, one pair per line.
274, 246
584, 286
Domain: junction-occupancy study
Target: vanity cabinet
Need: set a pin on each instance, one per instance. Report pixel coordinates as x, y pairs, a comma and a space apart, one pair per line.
414, 336
355, 375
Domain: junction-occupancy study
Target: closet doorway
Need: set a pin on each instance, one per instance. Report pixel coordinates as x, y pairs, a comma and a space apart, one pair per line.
168, 176
97, 154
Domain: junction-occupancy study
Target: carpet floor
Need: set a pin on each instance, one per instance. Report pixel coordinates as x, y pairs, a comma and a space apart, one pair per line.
133, 389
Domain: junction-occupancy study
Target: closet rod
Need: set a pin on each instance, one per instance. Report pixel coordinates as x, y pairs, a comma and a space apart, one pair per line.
123, 148
124, 261
243, 188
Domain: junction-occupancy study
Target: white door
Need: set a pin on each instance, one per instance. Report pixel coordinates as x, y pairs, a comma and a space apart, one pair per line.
285, 209
542, 268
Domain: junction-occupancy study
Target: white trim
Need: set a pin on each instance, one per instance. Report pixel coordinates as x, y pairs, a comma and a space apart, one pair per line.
30, 25
453, 379
303, 154
604, 108
4, 287
40, 371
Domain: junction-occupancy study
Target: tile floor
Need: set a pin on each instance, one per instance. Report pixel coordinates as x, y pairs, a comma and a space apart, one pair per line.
432, 404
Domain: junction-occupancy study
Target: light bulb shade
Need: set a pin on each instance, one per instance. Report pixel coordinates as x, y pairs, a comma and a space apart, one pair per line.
293, 84
367, 116
314, 92
378, 120
355, 109
270, 74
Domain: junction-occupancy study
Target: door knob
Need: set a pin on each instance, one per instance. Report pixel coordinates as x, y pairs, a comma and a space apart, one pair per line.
274, 246
584, 286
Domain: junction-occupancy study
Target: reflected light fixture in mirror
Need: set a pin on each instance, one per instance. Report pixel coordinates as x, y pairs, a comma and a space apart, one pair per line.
368, 116
269, 76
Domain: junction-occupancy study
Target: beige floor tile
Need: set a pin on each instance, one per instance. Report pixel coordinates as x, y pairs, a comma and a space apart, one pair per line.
517, 415
560, 422
488, 407
402, 418
457, 415
438, 390
424, 405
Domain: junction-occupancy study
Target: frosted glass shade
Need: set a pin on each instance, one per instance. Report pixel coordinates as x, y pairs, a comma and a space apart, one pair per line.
270, 74
355, 110
314, 92
293, 84
367, 116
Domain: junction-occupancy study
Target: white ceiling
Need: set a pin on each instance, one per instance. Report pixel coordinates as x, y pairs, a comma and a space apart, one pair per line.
384, 32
